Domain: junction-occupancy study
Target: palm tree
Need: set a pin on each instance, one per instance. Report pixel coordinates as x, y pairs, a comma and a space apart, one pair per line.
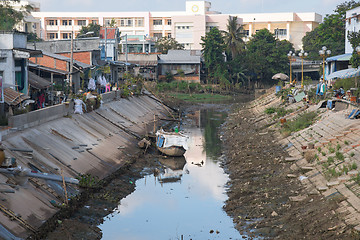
234, 37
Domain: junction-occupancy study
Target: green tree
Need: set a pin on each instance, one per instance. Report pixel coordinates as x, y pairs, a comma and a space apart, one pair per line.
9, 17
233, 37
32, 37
266, 55
165, 44
90, 28
354, 39
330, 33
213, 48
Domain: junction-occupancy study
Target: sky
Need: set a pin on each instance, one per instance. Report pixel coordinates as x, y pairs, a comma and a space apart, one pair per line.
322, 7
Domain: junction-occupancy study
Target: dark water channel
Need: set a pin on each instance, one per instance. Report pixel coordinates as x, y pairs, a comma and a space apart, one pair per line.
185, 200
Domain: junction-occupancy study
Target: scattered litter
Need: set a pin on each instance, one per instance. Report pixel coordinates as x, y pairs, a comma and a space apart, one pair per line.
274, 214
302, 178
75, 148
120, 147
287, 146
88, 207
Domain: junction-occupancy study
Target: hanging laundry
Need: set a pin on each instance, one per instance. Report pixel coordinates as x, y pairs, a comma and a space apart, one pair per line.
91, 85
103, 82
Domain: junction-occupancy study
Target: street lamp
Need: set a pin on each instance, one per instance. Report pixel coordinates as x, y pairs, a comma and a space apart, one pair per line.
72, 57
302, 55
291, 56
324, 53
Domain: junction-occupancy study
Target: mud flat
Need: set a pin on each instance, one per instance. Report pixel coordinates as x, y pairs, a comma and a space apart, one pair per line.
275, 191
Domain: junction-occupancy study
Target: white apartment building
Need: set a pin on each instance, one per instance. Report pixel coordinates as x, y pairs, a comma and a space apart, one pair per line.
186, 27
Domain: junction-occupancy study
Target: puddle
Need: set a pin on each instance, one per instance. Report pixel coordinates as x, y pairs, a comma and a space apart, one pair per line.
185, 200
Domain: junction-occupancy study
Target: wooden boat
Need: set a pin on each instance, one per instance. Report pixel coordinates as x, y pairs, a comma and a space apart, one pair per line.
171, 143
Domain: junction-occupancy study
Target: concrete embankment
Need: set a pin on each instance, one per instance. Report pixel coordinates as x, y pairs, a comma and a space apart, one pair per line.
54, 141
324, 157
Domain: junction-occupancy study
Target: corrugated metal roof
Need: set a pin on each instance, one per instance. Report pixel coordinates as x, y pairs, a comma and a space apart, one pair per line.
342, 57
57, 71
37, 81
179, 57
13, 97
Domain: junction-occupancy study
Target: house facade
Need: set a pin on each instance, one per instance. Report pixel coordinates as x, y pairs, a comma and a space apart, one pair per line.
14, 60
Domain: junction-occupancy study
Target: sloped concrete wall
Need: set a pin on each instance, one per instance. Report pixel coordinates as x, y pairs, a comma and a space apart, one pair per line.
96, 143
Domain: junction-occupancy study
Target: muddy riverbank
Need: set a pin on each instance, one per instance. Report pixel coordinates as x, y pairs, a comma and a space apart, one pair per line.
260, 191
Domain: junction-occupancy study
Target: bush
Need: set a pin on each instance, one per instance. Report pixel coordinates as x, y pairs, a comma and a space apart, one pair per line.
270, 110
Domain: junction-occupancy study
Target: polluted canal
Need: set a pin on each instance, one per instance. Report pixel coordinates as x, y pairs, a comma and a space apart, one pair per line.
185, 198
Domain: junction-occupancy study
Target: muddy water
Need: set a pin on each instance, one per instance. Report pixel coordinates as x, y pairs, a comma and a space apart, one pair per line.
185, 199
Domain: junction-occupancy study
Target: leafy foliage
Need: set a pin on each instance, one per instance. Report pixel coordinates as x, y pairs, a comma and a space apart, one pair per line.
233, 37
9, 17
354, 39
165, 44
213, 49
90, 28
266, 56
330, 33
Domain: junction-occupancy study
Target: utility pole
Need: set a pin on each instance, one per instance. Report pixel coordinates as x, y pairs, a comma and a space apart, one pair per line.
71, 61
105, 43
126, 53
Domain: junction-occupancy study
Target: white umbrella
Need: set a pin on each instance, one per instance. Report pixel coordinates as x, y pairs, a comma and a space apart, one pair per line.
280, 76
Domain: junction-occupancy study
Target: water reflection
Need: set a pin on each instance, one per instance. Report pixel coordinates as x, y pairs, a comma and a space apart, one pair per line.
185, 199
211, 123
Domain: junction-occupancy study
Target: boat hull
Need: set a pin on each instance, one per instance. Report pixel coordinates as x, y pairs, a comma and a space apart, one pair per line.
172, 151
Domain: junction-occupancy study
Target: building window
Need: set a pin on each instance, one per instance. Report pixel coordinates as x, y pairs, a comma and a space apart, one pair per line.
169, 35
158, 35
52, 22
66, 22
178, 27
66, 35
139, 22
280, 32
107, 22
126, 22
246, 33
18, 62
168, 22
157, 21
94, 22
81, 22
52, 35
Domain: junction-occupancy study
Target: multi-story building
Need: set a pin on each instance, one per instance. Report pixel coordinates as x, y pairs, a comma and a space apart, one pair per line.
186, 27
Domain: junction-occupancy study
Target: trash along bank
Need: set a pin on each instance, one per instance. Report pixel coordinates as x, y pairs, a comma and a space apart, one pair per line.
298, 178
48, 149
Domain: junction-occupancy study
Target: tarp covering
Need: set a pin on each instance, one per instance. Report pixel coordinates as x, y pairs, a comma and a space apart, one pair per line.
346, 73
171, 139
